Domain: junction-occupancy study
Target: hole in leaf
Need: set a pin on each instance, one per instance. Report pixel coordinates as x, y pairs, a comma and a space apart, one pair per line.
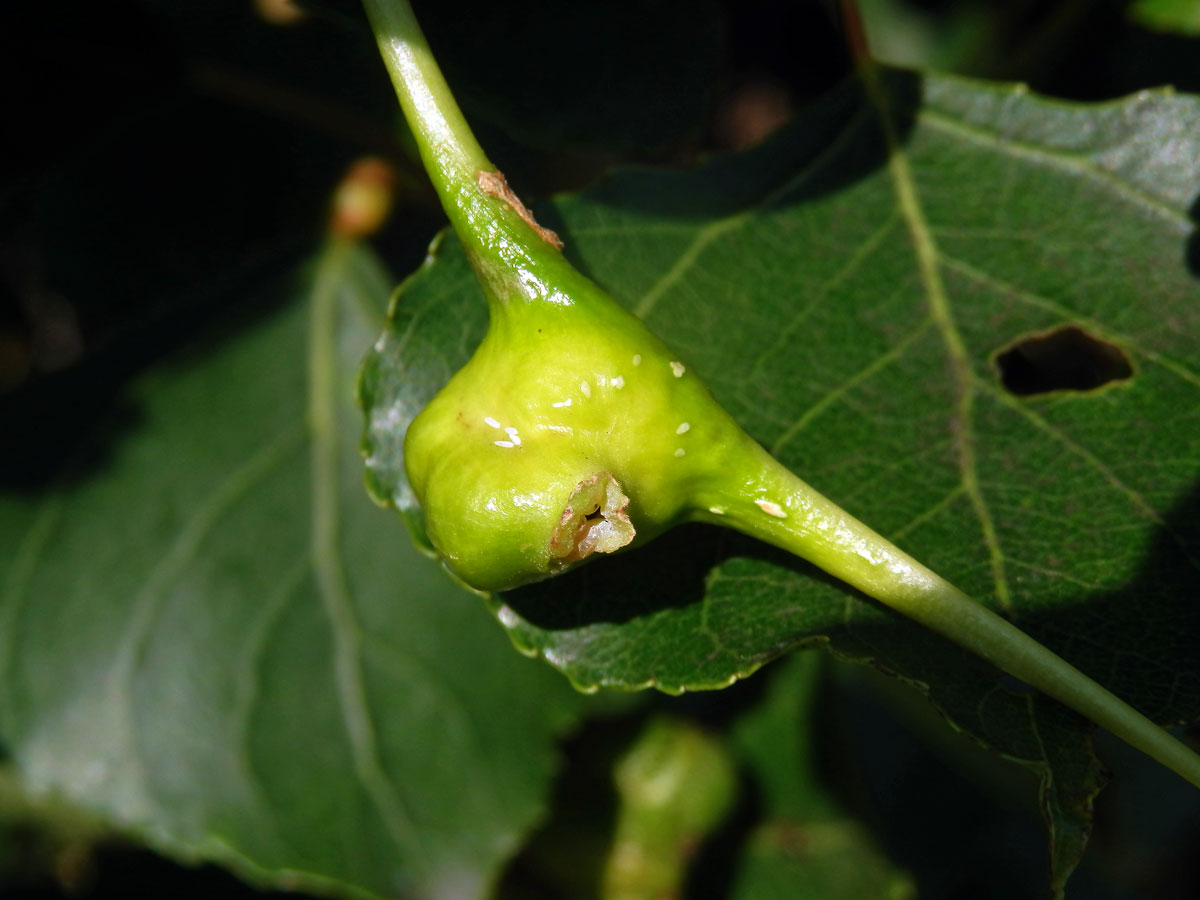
1066, 359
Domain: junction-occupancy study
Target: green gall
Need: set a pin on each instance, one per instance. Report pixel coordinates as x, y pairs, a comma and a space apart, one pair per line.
572, 431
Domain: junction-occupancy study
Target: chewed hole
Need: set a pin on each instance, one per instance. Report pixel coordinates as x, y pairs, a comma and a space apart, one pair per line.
594, 520
1066, 359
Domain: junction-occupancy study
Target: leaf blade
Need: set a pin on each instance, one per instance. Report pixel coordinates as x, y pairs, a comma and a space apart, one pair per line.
218, 606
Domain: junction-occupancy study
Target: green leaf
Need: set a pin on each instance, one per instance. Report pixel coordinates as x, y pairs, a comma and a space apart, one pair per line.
846, 290
1176, 16
805, 846
215, 641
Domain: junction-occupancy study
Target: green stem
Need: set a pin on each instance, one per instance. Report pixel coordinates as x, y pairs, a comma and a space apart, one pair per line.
451, 155
772, 504
495, 229
674, 786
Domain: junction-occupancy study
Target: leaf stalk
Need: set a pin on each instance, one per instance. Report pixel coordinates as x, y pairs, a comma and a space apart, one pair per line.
793, 516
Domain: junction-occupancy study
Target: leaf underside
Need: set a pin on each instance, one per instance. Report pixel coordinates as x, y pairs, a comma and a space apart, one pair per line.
846, 290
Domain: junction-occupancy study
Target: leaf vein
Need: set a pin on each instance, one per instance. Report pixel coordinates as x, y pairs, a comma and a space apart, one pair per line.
1081, 165
1055, 573
147, 602
405, 664
711, 232
327, 562
249, 697
878, 364
16, 592
927, 253
852, 264
1101, 331
1140, 503
1030, 700
928, 513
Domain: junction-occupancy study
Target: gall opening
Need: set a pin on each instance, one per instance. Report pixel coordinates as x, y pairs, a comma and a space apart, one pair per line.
593, 521
1066, 359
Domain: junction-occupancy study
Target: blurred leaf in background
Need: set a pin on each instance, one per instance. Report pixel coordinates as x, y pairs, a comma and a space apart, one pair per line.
1180, 16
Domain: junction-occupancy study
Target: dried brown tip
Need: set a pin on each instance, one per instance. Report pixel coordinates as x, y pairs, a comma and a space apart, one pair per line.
495, 184
593, 521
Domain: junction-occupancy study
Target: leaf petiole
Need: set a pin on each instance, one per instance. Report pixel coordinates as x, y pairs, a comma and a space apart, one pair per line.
785, 511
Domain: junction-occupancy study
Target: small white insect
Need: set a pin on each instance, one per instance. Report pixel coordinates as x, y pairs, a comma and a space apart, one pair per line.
771, 508
683, 428
678, 368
